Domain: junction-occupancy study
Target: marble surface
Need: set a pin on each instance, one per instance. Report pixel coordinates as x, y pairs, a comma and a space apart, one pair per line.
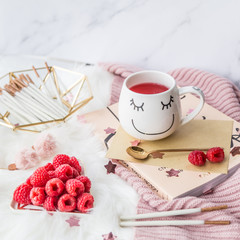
152, 34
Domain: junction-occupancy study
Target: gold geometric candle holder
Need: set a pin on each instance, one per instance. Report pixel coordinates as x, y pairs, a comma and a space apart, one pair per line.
35, 99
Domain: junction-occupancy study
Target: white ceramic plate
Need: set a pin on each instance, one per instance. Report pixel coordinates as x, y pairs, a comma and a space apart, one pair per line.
32, 208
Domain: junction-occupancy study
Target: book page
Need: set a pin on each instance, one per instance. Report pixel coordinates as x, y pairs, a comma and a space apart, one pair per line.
195, 134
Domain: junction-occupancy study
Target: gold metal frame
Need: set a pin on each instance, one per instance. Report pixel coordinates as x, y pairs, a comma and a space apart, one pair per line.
72, 107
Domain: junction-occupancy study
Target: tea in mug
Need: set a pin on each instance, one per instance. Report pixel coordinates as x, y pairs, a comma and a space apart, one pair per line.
149, 88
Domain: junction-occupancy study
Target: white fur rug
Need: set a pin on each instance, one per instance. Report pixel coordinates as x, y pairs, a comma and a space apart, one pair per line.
113, 197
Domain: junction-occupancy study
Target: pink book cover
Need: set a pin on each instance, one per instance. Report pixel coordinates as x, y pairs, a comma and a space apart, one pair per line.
170, 183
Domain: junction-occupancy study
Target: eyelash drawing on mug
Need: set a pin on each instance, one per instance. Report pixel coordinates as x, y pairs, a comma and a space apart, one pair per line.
168, 104
135, 107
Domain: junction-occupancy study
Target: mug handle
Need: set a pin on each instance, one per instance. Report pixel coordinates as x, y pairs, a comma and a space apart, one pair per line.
197, 91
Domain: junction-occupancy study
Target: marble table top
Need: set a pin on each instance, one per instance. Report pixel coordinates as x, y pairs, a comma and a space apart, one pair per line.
160, 35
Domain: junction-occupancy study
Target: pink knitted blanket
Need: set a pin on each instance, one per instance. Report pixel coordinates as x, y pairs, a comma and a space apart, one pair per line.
224, 96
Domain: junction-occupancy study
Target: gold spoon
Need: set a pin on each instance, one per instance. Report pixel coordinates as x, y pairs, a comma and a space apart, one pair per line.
140, 153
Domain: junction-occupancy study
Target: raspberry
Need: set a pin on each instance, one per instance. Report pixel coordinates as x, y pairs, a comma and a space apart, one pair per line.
60, 159
74, 163
85, 202
66, 203
49, 167
64, 172
28, 181
22, 194
37, 196
215, 154
52, 174
39, 177
50, 203
74, 187
54, 187
75, 172
86, 181
197, 158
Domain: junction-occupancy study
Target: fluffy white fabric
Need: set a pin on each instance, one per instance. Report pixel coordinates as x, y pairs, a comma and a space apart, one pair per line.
113, 197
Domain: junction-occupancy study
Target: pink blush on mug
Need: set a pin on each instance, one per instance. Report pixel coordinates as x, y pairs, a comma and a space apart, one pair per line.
149, 88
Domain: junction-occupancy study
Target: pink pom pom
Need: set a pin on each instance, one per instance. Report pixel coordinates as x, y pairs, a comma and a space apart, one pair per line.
26, 158
45, 146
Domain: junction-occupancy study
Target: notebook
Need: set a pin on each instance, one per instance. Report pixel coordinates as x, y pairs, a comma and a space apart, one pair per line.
170, 182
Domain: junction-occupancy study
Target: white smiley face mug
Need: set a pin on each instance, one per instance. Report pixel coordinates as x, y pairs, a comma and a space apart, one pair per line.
153, 116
